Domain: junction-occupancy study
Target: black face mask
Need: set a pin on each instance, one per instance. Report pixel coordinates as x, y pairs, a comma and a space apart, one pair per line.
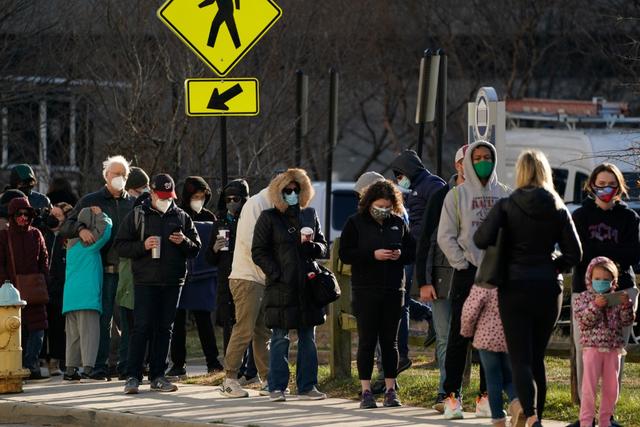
26, 189
51, 221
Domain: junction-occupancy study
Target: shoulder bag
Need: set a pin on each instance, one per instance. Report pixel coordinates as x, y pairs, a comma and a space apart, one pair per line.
493, 268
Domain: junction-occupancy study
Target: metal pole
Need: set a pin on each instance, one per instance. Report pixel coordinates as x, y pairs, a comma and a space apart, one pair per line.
331, 142
442, 110
302, 114
421, 106
223, 151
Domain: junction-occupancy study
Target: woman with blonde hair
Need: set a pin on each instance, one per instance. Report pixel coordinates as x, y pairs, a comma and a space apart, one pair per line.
606, 227
534, 220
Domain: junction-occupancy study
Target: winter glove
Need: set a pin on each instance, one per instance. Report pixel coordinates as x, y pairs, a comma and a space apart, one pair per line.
220, 243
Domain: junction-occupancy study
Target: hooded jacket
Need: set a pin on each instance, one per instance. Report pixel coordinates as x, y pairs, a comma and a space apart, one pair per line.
600, 327
24, 173
465, 208
278, 251
534, 220
171, 268
83, 282
481, 321
225, 310
613, 233
30, 256
423, 185
192, 185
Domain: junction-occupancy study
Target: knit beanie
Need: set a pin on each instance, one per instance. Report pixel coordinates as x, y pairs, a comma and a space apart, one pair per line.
365, 180
137, 178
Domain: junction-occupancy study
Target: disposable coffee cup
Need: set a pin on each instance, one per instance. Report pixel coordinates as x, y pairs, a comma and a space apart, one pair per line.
223, 232
155, 252
306, 233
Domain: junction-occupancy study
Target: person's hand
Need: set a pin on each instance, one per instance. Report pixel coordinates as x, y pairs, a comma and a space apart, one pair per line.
151, 243
395, 254
601, 301
177, 237
220, 243
382, 254
428, 293
87, 236
96, 210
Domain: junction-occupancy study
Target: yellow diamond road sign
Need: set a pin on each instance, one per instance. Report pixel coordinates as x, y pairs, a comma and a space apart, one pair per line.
220, 32
222, 97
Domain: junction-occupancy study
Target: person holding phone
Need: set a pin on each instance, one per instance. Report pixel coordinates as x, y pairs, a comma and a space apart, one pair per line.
601, 315
377, 244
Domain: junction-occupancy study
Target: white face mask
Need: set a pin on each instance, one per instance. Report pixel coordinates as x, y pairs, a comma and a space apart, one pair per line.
118, 183
163, 205
197, 205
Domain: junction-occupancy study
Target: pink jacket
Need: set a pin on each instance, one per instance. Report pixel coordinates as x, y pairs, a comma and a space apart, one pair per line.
481, 320
601, 327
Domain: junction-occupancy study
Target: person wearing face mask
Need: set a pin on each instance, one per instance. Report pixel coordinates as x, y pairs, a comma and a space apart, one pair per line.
116, 203
377, 244
282, 251
198, 294
6, 198
137, 183
24, 179
53, 347
606, 227
159, 237
411, 175
23, 251
465, 208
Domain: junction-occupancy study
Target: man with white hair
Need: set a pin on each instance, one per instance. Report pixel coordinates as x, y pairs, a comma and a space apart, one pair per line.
116, 203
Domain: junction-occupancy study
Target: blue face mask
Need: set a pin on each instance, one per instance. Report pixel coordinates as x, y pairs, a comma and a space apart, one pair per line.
601, 286
291, 199
405, 183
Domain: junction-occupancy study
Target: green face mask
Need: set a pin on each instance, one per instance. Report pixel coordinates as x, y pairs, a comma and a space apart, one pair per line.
483, 169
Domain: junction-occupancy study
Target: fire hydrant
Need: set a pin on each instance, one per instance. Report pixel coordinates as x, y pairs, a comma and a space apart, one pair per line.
11, 371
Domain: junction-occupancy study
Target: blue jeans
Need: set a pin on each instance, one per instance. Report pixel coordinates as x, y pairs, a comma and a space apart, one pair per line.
441, 319
497, 369
306, 362
32, 345
153, 314
109, 289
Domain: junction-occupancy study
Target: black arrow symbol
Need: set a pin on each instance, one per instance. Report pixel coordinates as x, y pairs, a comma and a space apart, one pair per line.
218, 100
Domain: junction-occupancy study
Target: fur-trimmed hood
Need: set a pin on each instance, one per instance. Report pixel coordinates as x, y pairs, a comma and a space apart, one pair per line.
278, 184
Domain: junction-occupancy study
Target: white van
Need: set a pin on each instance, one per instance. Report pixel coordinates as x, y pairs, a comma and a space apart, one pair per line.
344, 204
573, 154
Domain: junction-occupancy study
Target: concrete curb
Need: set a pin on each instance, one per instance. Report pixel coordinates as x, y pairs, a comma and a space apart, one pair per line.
35, 413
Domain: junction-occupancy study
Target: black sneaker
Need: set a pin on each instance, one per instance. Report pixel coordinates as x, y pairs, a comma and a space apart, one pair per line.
612, 422
37, 377
391, 399
177, 372
71, 375
215, 367
577, 423
403, 364
131, 386
98, 375
368, 401
163, 384
84, 378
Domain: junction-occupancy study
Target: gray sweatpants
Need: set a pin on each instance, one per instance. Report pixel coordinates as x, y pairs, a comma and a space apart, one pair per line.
83, 337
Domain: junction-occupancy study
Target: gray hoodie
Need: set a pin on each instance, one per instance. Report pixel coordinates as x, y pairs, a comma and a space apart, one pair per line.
465, 208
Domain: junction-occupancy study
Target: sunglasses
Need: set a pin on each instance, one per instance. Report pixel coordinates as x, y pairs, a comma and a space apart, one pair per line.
235, 199
23, 213
291, 190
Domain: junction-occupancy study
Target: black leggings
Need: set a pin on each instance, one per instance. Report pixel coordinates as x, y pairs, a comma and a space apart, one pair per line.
205, 333
529, 310
457, 345
378, 316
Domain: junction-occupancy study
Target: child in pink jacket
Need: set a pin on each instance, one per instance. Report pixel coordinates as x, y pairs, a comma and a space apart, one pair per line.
481, 320
601, 321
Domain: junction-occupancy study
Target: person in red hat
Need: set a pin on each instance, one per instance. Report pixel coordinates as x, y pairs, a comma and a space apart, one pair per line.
158, 237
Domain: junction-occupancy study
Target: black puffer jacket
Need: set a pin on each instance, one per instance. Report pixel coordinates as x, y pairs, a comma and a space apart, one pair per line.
171, 268
278, 252
534, 221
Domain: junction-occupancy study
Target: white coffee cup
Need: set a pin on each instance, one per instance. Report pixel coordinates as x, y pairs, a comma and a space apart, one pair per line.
306, 234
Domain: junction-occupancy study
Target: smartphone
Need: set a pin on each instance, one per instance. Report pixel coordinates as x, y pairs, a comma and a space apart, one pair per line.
613, 298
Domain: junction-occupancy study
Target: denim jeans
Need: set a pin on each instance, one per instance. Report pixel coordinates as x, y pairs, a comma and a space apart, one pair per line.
109, 289
497, 369
441, 319
32, 345
153, 314
306, 362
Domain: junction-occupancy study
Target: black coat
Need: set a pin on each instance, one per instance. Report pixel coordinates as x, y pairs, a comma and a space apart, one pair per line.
361, 237
225, 309
534, 222
56, 247
277, 250
171, 268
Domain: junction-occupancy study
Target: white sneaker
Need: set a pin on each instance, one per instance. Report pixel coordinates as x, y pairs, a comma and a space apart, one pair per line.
452, 408
483, 410
231, 388
277, 396
244, 381
312, 394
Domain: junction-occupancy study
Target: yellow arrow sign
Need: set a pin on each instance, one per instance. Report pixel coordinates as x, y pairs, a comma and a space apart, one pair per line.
222, 97
220, 32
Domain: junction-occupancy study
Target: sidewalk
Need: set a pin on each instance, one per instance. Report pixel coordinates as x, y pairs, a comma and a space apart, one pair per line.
104, 404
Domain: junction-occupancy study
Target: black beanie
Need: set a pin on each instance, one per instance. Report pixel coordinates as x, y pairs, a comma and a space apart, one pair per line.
137, 178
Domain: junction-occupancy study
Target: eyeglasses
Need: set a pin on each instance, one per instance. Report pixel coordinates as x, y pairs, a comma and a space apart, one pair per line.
235, 199
291, 190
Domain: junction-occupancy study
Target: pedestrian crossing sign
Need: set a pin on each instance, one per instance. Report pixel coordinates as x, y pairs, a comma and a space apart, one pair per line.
220, 32
222, 97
